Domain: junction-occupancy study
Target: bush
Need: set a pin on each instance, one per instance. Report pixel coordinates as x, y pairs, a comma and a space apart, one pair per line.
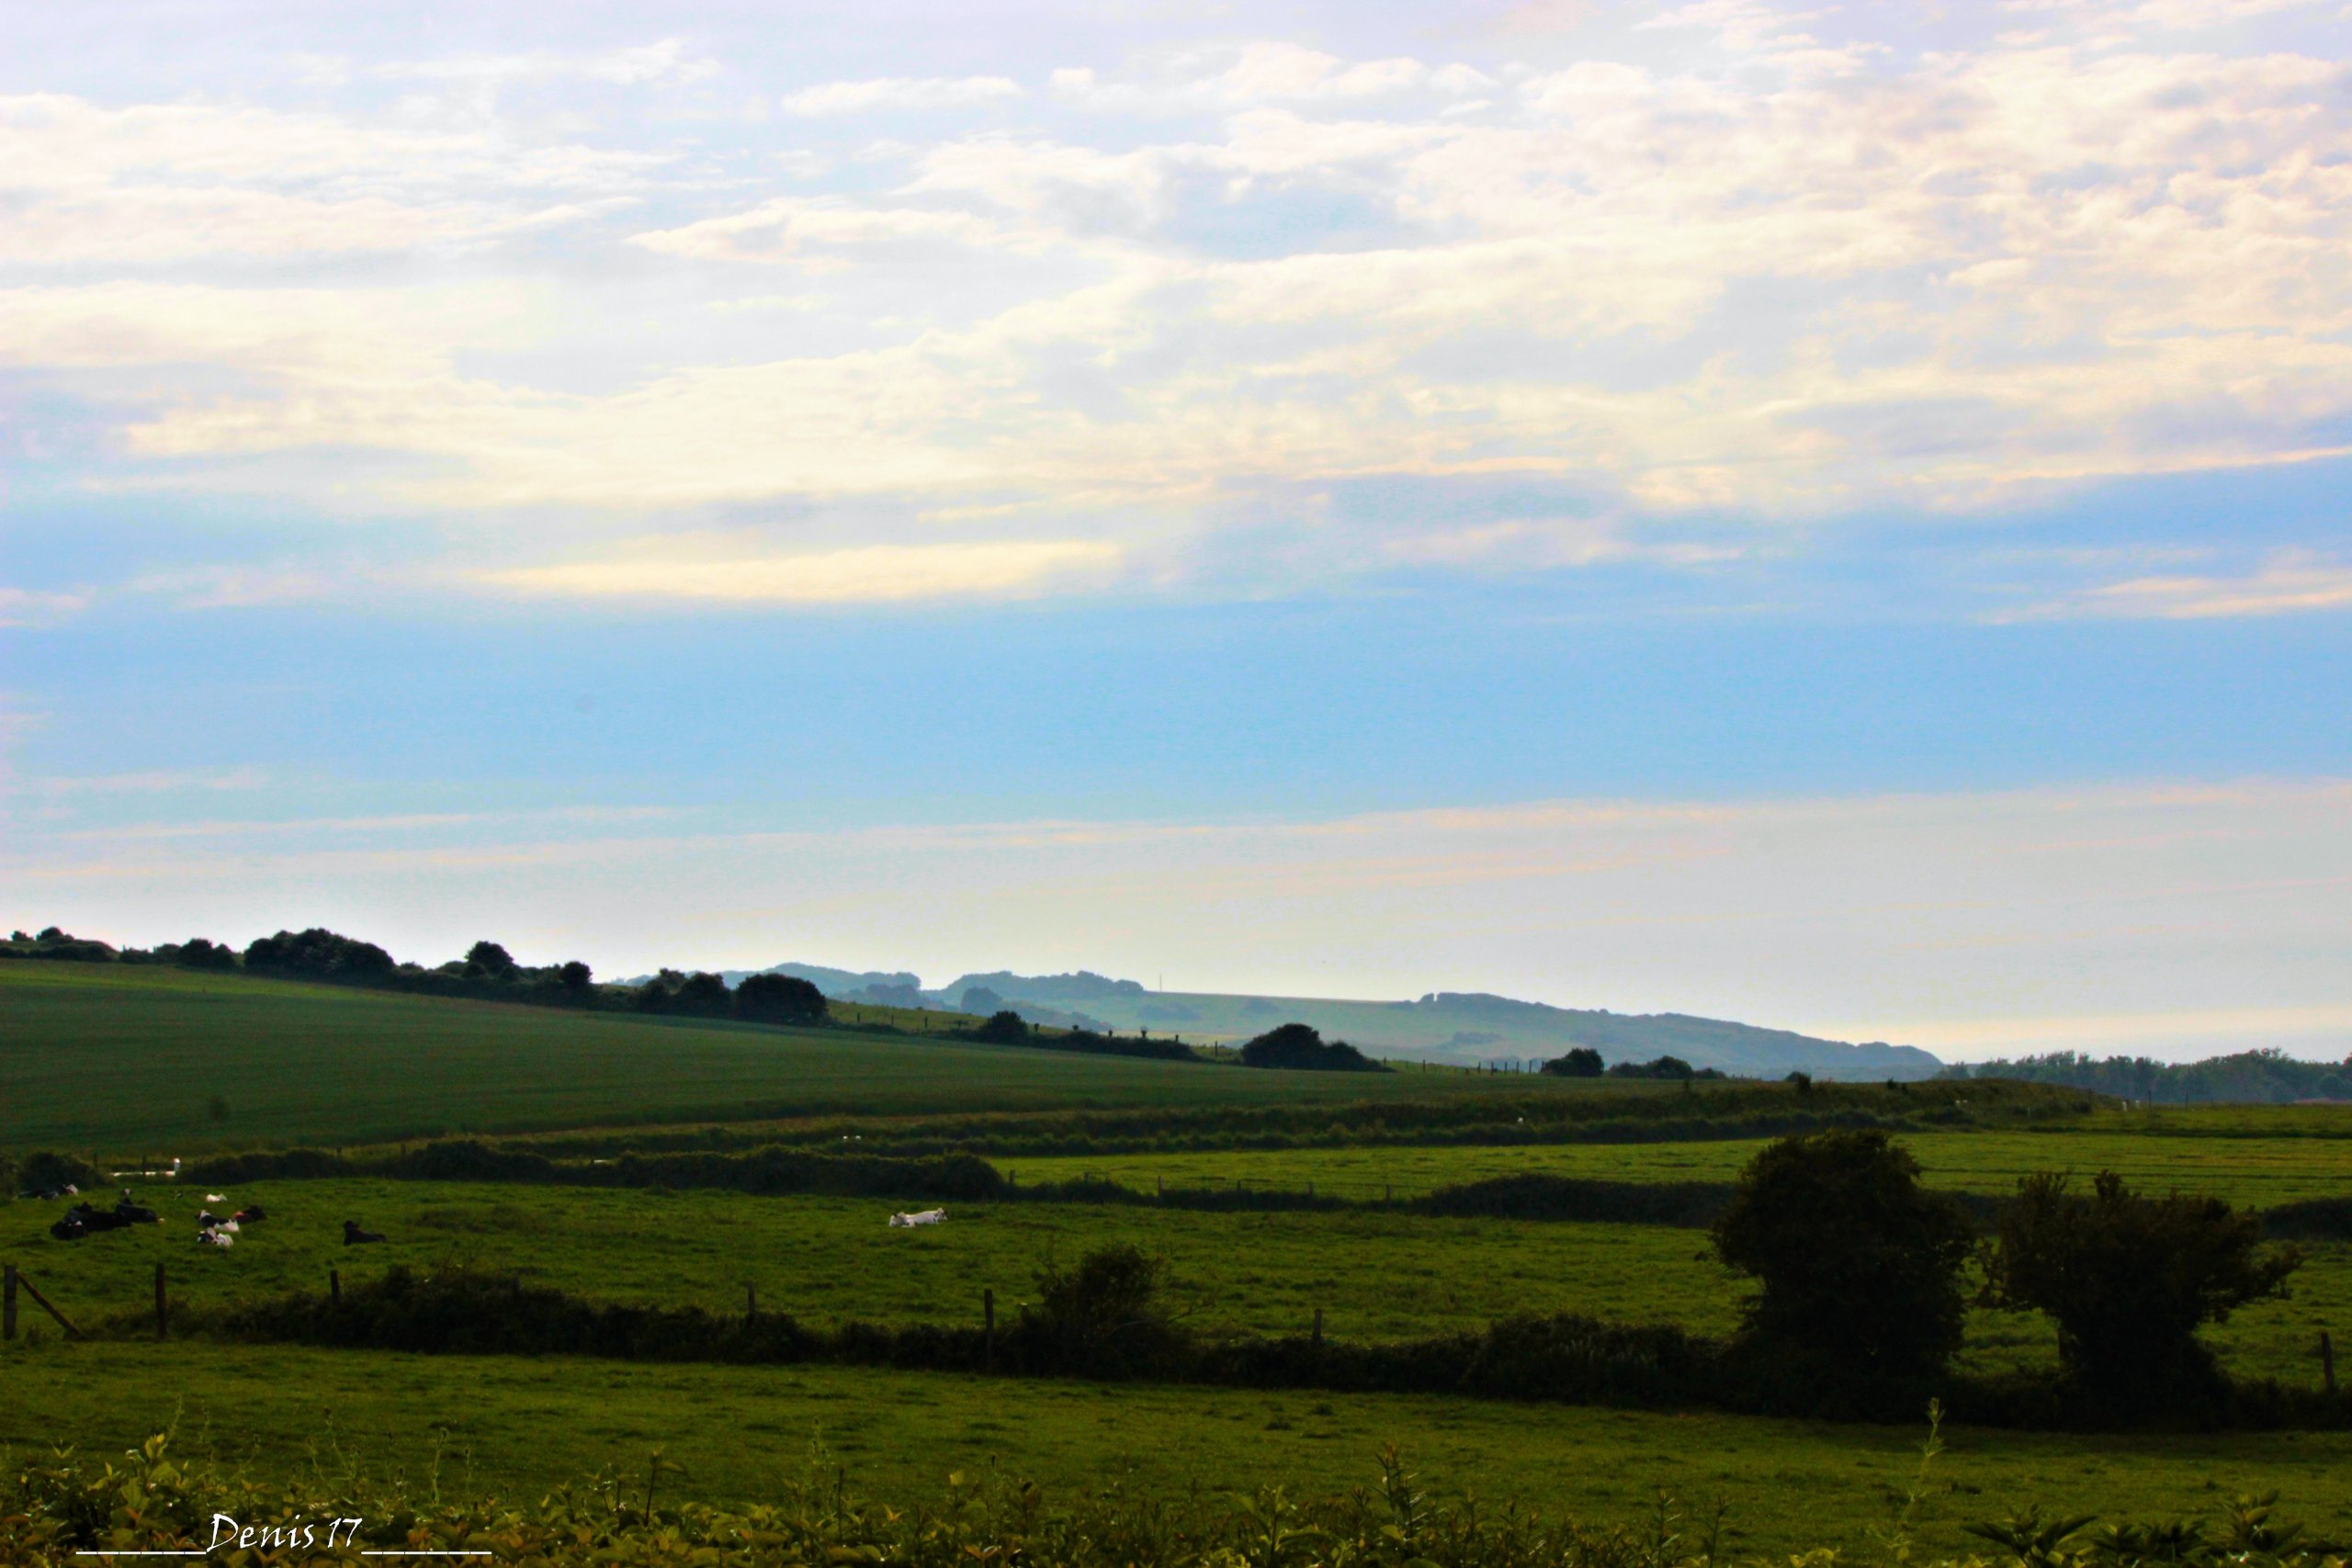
1300, 1046
46, 1172
1859, 1265
1104, 1318
2130, 1279
1581, 1061
1656, 1067
779, 998
1005, 1027
318, 954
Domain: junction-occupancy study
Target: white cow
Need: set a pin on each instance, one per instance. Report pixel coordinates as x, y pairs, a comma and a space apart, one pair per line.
927, 1217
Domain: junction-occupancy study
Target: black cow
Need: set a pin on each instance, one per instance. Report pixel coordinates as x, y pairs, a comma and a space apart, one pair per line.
353, 1236
250, 1215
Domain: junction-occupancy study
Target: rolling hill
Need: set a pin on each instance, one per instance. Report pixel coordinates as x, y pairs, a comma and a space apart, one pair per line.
1443, 1026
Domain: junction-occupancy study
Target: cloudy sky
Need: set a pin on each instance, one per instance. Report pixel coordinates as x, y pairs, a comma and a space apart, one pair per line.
1834, 516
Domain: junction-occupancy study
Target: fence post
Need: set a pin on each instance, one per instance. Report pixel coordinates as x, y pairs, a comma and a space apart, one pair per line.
751, 1303
334, 1286
163, 1306
44, 1303
988, 1330
8, 1302
2326, 1359
1318, 1328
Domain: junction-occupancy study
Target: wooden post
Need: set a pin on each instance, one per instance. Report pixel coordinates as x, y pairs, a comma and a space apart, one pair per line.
1159, 1186
2327, 1361
163, 1306
751, 1303
8, 1302
988, 1330
334, 1286
43, 1302
1318, 1328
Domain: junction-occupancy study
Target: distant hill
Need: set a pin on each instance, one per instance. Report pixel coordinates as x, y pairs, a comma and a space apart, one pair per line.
1442, 1025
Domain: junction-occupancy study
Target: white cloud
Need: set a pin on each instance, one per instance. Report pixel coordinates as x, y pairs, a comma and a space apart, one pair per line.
884, 93
31, 607
812, 231
1717, 269
868, 574
2290, 585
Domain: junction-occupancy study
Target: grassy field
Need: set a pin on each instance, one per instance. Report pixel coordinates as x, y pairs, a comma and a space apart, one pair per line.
1375, 1276
2254, 1170
124, 1057
515, 1428
127, 1060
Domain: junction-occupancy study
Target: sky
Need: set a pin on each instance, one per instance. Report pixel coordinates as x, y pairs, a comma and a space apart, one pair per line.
1834, 516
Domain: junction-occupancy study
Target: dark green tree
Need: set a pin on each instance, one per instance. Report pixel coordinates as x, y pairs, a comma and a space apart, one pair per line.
1859, 1265
2130, 1280
1300, 1046
489, 961
779, 998
1106, 1317
575, 975
1581, 1061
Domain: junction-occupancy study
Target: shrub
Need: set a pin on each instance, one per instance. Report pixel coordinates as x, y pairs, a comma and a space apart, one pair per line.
2130, 1279
779, 998
47, 1171
1859, 1265
1581, 1061
1656, 1067
318, 954
1005, 1027
1104, 1318
1300, 1046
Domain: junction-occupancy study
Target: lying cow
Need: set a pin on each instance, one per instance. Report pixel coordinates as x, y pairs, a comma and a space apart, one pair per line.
353, 1236
215, 1238
249, 1215
83, 1220
926, 1217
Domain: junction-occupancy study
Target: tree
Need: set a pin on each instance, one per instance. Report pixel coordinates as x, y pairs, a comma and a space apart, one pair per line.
200, 953
1300, 1046
491, 960
1656, 1067
575, 975
2130, 1279
1581, 1061
1004, 1026
779, 998
1104, 1318
317, 954
1859, 1265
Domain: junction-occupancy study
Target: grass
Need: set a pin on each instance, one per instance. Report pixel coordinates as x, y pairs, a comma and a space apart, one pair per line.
515, 1428
1375, 1276
133, 1057
2251, 1170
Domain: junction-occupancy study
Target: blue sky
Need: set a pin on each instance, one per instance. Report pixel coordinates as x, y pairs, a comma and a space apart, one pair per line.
1834, 517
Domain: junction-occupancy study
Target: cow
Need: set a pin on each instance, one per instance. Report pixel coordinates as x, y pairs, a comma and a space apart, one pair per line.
215, 1238
922, 1217
250, 1215
353, 1236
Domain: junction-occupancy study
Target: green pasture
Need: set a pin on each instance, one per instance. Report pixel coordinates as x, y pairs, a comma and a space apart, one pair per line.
124, 1057
2252, 1170
516, 1427
1375, 1276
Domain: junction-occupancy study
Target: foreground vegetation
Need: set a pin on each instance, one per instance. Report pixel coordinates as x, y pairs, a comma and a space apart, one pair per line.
360, 1425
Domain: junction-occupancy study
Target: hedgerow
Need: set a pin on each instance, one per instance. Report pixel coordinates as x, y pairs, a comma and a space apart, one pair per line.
148, 1500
